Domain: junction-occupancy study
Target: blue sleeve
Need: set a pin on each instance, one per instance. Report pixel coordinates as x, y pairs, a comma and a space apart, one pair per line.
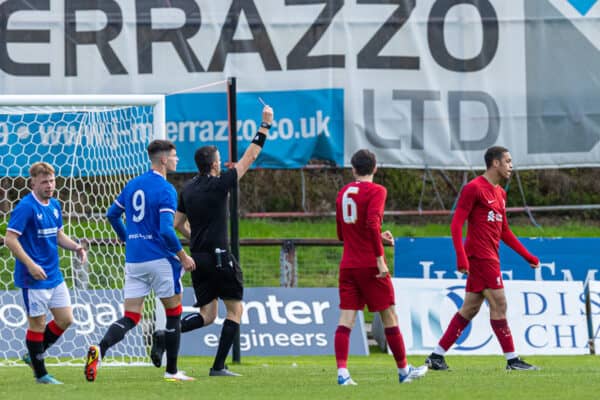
19, 218
114, 217
167, 232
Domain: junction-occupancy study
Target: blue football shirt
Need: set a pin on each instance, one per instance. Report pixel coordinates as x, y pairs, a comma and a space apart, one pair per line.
37, 225
142, 200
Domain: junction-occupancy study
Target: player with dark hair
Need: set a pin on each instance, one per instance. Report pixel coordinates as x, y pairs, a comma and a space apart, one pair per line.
34, 232
482, 203
364, 276
203, 202
154, 257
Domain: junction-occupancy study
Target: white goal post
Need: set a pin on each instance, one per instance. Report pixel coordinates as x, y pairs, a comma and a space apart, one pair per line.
96, 143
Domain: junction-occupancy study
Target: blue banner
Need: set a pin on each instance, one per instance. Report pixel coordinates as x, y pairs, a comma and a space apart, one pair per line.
76, 143
308, 124
276, 321
560, 259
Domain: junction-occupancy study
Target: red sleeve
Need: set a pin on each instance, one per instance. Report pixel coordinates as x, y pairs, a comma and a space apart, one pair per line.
467, 198
374, 220
338, 219
456, 228
511, 241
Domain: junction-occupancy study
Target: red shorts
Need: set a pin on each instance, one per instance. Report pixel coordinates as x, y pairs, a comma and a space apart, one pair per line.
483, 274
360, 286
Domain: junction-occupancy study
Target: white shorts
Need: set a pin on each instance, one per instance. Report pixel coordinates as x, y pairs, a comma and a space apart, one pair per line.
39, 301
162, 275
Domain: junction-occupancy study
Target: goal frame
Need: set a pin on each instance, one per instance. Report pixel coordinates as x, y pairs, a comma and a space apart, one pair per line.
41, 104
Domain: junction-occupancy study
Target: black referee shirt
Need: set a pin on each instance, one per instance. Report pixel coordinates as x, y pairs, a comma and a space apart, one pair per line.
203, 200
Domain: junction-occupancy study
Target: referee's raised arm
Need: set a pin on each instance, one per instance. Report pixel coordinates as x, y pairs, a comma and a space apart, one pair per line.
258, 142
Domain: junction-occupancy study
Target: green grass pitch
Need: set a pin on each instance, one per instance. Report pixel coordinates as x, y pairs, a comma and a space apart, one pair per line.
314, 377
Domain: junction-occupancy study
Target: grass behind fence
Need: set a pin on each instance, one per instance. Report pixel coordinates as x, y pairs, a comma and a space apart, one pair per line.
317, 265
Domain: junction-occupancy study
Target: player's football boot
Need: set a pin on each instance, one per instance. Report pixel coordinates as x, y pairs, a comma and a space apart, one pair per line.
519, 365
346, 381
436, 362
413, 373
92, 363
222, 372
48, 380
158, 348
179, 376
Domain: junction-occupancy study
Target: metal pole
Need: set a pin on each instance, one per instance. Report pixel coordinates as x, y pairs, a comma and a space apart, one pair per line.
233, 198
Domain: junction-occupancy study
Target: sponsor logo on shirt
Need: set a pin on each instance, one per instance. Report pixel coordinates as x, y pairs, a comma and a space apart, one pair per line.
48, 232
494, 216
40, 217
140, 236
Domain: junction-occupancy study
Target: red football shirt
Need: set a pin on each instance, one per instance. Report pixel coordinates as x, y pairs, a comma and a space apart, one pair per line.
359, 214
484, 207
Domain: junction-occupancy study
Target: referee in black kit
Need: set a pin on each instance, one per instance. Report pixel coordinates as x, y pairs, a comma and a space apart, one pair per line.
203, 202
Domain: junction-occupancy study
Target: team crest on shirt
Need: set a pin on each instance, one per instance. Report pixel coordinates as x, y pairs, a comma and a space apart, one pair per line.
55, 213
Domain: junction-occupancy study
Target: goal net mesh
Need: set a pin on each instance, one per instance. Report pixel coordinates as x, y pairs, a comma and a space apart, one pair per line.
95, 150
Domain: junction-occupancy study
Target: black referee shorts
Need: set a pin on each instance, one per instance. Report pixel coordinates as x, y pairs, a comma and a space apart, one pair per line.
210, 282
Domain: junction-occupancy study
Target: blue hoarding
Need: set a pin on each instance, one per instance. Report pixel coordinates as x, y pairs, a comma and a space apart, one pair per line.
308, 124
277, 321
560, 259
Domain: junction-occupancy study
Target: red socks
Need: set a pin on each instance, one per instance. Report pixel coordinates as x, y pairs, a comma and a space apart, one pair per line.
453, 331
502, 331
396, 343
342, 345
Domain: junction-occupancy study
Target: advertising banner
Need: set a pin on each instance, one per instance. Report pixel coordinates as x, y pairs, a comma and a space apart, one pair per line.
428, 83
308, 124
276, 321
93, 311
561, 259
546, 318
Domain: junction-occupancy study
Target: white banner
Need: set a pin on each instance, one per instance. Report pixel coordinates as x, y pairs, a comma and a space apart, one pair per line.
428, 83
545, 318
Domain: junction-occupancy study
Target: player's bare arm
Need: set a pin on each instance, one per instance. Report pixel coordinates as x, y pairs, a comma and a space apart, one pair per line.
12, 242
387, 238
187, 262
182, 225
69, 244
255, 147
382, 267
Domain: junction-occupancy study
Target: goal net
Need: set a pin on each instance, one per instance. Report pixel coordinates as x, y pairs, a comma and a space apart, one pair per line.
96, 144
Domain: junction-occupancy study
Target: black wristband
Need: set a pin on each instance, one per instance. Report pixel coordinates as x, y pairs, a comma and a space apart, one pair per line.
259, 139
265, 125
